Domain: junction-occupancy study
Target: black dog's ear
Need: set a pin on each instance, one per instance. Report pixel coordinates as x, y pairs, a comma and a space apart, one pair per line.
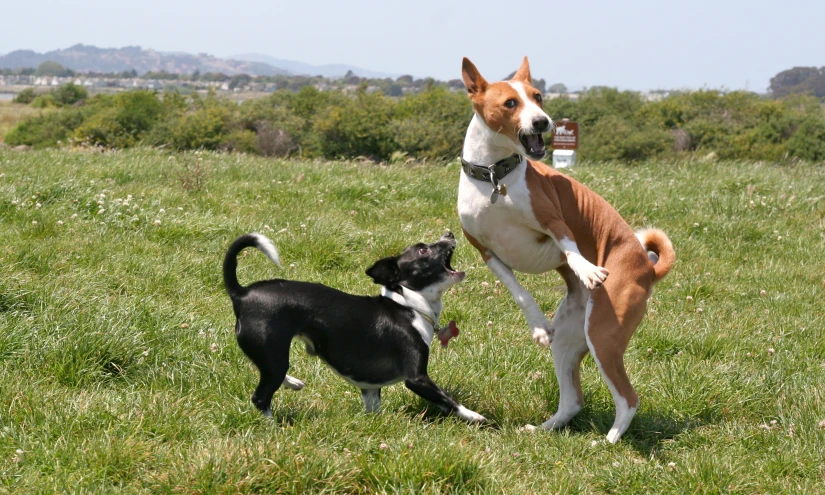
385, 271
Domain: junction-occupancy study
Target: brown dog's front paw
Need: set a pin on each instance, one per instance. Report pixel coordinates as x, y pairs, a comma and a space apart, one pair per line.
596, 277
542, 336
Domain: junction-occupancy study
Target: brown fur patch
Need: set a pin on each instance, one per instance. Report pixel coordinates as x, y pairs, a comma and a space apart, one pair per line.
485, 253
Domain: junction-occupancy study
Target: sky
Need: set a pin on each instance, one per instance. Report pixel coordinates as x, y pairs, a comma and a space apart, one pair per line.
639, 45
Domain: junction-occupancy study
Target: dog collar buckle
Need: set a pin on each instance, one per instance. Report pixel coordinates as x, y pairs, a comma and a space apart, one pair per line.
498, 188
492, 173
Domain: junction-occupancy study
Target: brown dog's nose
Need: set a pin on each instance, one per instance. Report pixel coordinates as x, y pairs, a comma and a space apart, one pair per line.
541, 124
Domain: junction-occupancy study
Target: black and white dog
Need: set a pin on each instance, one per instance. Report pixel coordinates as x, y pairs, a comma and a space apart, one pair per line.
371, 342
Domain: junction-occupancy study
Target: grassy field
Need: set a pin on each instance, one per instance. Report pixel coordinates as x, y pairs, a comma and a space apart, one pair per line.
119, 371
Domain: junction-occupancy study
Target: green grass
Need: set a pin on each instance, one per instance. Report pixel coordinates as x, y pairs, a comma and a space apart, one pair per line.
119, 371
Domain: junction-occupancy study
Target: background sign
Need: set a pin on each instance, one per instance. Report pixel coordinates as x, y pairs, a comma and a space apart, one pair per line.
565, 135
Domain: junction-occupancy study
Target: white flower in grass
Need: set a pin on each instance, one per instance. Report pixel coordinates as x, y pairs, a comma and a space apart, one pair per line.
162, 210
156, 222
34, 222
60, 222
763, 292
771, 351
383, 446
213, 347
671, 466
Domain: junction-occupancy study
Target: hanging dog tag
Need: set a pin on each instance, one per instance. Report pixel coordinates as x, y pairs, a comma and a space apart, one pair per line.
497, 189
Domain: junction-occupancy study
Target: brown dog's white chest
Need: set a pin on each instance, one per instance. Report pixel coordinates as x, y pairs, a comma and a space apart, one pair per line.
507, 227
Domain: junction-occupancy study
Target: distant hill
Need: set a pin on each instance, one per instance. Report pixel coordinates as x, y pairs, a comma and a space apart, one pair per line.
87, 58
331, 71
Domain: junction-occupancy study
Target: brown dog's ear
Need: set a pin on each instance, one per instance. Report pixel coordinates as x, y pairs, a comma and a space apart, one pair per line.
523, 72
385, 272
473, 81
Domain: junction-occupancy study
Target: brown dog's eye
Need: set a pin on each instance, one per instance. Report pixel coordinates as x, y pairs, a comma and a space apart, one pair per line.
538, 97
423, 250
511, 103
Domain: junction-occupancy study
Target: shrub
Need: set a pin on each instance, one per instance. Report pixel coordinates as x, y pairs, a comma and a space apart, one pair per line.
358, 127
44, 101
25, 97
204, 128
243, 140
47, 129
432, 124
69, 94
272, 141
808, 142
617, 138
122, 120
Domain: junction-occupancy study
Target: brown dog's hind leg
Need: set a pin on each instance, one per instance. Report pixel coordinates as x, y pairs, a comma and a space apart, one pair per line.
608, 332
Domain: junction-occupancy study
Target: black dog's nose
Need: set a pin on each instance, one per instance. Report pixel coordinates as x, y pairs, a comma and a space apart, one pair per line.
449, 234
541, 124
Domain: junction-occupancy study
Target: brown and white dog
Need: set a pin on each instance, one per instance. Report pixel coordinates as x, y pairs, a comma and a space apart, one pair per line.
533, 219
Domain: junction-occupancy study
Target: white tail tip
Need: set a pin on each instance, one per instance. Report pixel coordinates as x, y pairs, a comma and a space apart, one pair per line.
267, 247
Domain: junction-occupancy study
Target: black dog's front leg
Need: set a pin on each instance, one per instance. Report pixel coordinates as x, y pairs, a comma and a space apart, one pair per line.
425, 387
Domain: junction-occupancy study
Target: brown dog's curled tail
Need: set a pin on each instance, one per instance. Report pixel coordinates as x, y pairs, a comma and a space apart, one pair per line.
656, 241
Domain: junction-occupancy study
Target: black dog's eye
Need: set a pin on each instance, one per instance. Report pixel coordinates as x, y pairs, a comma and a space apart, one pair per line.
424, 250
538, 97
511, 103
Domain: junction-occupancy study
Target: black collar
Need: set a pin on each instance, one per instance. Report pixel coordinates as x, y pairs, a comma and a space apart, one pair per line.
482, 172
492, 173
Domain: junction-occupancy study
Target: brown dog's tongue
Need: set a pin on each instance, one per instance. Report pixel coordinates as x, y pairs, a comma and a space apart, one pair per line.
447, 332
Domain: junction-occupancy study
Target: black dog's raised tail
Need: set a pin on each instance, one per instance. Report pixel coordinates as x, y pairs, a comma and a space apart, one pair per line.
230, 262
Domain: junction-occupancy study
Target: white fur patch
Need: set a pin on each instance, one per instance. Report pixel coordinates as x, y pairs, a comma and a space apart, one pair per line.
420, 305
591, 275
372, 400
293, 383
468, 415
263, 243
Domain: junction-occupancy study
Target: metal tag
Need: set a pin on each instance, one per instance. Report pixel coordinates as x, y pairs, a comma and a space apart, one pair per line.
494, 196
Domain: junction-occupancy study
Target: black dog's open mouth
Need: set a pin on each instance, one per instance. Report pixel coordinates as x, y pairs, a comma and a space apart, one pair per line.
448, 265
533, 145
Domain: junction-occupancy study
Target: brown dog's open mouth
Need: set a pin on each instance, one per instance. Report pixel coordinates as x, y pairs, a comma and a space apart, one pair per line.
533, 145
